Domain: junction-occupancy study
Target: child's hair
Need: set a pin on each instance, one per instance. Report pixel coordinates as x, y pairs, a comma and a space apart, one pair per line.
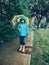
22, 19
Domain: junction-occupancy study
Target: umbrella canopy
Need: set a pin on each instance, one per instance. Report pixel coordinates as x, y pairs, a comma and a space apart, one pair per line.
16, 19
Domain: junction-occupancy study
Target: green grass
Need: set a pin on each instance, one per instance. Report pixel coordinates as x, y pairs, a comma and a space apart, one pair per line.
40, 56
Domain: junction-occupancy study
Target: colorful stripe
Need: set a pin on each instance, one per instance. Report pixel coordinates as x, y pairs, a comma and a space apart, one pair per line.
17, 18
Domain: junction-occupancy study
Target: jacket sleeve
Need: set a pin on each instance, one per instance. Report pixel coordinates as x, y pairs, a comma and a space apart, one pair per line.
18, 27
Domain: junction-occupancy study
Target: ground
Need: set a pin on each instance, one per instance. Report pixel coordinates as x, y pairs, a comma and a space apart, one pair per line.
9, 54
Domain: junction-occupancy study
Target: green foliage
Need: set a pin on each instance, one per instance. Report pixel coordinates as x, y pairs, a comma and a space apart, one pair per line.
43, 23
40, 6
7, 33
14, 7
40, 56
9, 8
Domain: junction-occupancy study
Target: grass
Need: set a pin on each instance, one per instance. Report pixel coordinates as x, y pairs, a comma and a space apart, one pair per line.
40, 56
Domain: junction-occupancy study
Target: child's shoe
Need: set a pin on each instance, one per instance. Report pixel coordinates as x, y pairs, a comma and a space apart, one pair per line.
23, 50
20, 49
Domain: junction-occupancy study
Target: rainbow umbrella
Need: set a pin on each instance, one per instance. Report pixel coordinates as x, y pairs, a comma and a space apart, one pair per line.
16, 19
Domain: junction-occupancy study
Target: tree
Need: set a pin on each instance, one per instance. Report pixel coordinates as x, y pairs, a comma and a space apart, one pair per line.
40, 6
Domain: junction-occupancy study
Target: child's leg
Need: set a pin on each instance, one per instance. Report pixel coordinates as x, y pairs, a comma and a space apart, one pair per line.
20, 44
23, 43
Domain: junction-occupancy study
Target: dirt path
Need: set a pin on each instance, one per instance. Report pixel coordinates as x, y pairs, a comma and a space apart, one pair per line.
9, 54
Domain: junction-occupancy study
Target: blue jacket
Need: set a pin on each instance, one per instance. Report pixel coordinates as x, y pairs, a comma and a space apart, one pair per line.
23, 29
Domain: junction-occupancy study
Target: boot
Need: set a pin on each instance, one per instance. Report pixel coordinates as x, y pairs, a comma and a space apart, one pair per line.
20, 49
23, 50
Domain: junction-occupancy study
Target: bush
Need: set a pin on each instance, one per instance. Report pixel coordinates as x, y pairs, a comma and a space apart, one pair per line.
7, 33
43, 24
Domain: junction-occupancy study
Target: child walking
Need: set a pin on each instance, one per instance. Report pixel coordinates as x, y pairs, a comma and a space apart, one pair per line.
23, 33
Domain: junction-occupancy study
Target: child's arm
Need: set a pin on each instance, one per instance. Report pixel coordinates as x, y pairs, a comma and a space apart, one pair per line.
19, 27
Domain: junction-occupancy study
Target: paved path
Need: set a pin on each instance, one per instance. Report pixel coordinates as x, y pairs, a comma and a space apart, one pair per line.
9, 54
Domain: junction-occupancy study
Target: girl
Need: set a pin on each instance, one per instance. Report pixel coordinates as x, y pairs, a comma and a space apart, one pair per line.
23, 33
